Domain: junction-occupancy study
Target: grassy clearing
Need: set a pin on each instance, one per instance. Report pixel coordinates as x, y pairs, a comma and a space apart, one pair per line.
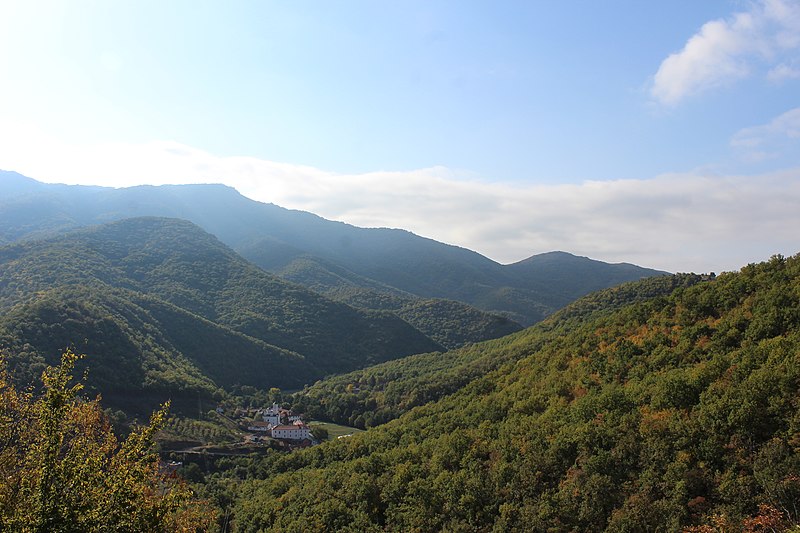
334, 430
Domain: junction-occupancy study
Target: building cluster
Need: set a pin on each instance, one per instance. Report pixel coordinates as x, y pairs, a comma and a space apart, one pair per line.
280, 423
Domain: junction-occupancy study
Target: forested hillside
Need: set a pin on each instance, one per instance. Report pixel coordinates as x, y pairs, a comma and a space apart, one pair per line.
359, 265
450, 323
374, 395
678, 411
160, 305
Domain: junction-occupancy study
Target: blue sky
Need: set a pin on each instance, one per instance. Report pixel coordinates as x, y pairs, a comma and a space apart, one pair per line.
622, 130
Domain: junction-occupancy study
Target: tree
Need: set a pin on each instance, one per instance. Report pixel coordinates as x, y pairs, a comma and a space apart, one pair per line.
320, 433
62, 469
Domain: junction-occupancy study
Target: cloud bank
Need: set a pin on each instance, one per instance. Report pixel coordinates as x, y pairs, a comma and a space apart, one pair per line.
677, 222
766, 37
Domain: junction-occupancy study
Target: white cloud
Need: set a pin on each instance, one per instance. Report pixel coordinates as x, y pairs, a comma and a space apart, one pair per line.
783, 72
679, 222
781, 136
724, 51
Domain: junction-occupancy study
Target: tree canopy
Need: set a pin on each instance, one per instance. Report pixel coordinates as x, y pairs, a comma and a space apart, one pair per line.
677, 412
62, 468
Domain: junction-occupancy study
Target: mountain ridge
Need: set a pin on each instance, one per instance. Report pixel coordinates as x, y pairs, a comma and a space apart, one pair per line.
273, 237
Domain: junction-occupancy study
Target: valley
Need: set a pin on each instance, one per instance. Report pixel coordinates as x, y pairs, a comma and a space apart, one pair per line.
371, 379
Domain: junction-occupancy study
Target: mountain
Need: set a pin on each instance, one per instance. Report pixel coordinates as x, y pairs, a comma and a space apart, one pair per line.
676, 412
163, 305
327, 256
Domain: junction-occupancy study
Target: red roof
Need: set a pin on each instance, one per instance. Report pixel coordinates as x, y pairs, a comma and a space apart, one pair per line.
284, 428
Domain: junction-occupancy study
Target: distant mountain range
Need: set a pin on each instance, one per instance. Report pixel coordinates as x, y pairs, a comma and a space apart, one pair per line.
376, 268
150, 284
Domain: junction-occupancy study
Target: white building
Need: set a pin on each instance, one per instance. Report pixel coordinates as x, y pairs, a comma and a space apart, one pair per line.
259, 426
272, 419
272, 415
293, 432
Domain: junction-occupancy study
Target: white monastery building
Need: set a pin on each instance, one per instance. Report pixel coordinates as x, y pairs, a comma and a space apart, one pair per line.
293, 432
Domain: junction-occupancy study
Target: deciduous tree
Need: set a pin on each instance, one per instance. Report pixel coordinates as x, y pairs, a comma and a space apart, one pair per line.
62, 469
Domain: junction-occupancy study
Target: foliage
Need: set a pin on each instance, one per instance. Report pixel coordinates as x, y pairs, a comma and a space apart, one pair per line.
455, 324
677, 411
320, 433
170, 311
374, 395
451, 324
130, 353
63, 469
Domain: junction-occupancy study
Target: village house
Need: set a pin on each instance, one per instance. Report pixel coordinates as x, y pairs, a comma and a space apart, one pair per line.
273, 419
263, 427
277, 415
294, 432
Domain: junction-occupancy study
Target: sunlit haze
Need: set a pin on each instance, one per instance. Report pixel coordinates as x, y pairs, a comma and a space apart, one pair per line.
663, 134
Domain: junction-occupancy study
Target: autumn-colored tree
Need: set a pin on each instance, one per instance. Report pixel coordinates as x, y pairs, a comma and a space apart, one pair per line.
62, 469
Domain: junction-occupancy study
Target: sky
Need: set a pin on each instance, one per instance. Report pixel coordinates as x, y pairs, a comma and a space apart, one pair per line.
665, 134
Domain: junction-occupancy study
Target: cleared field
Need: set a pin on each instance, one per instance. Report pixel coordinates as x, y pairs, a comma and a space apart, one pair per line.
334, 430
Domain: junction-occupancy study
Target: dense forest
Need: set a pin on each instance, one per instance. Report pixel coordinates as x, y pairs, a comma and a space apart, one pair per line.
674, 412
374, 395
162, 309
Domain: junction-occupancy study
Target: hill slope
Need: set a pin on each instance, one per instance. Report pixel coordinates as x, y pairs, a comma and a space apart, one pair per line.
374, 395
381, 260
163, 290
140, 350
673, 412
450, 323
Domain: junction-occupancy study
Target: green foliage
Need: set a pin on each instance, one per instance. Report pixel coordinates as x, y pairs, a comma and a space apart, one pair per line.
451, 324
168, 311
63, 470
133, 354
454, 324
374, 395
675, 411
320, 433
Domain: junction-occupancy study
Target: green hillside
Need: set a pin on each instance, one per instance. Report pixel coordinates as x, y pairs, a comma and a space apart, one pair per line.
374, 395
673, 412
178, 309
141, 350
450, 323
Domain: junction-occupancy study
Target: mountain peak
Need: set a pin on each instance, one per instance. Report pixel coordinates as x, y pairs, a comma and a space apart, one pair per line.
14, 182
